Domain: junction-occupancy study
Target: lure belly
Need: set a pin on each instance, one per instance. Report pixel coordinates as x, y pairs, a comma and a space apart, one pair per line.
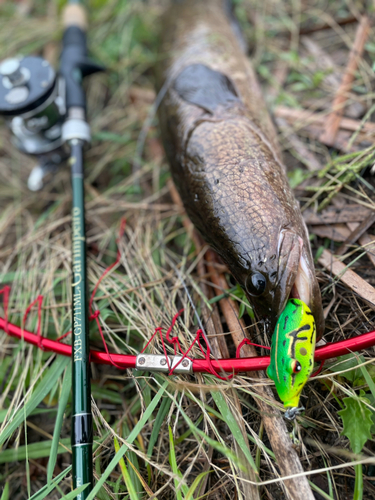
292, 353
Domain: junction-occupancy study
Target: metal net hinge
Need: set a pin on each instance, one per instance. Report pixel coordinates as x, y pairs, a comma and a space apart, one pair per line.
158, 363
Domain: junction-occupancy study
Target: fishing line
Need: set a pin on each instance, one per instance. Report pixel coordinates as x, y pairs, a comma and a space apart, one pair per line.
192, 304
148, 121
209, 348
146, 127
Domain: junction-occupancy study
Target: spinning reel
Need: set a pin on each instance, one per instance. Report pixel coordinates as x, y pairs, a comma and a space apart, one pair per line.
46, 110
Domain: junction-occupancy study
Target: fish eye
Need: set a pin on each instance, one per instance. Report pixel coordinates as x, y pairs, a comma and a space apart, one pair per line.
297, 367
256, 284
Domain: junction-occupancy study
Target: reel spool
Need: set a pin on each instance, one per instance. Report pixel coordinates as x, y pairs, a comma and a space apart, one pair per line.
32, 102
45, 110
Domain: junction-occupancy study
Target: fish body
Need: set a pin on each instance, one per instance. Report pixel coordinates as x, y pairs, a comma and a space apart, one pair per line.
225, 160
292, 352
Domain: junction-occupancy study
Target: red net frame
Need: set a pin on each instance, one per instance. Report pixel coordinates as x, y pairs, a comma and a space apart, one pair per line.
205, 365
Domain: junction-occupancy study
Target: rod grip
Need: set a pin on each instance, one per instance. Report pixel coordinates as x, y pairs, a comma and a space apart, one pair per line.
74, 15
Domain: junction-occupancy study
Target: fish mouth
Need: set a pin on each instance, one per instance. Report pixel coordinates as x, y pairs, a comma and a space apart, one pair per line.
290, 275
303, 285
292, 279
297, 278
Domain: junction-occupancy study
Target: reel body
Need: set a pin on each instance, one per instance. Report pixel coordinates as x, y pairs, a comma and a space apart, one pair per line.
32, 101
46, 110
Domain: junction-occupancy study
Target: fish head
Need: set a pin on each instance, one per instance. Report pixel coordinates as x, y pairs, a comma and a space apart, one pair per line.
292, 351
286, 272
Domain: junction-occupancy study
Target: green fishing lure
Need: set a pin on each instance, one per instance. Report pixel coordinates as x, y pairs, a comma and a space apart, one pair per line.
292, 353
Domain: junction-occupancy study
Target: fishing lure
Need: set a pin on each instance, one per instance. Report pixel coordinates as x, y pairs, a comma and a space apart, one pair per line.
292, 354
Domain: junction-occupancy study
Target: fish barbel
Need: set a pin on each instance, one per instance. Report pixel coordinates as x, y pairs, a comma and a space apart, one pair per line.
226, 163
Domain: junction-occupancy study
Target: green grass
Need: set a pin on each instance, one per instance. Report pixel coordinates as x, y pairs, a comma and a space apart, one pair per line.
181, 437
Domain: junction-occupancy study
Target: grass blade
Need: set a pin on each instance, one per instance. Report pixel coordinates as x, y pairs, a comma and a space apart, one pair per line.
221, 448
34, 451
322, 493
125, 474
5, 495
173, 462
130, 439
46, 490
195, 485
163, 410
74, 494
233, 426
368, 379
64, 396
131, 456
38, 411
49, 381
141, 480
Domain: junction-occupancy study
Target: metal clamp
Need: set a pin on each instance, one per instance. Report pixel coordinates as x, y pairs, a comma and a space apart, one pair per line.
158, 363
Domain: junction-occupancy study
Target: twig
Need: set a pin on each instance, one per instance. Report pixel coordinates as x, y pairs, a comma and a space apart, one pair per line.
347, 276
333, 122
357, 233
303, 153
335, 232
367, 241
326, 26
306, 117
311, 124
334, 215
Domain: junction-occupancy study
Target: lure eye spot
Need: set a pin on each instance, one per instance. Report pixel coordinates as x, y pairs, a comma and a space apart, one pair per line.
256, 284
297, 367
303, 351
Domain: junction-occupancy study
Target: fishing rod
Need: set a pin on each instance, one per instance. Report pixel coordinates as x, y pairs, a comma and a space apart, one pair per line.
46, 113
74, 66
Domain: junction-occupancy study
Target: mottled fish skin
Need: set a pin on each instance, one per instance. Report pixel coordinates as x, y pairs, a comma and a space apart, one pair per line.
225, 159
